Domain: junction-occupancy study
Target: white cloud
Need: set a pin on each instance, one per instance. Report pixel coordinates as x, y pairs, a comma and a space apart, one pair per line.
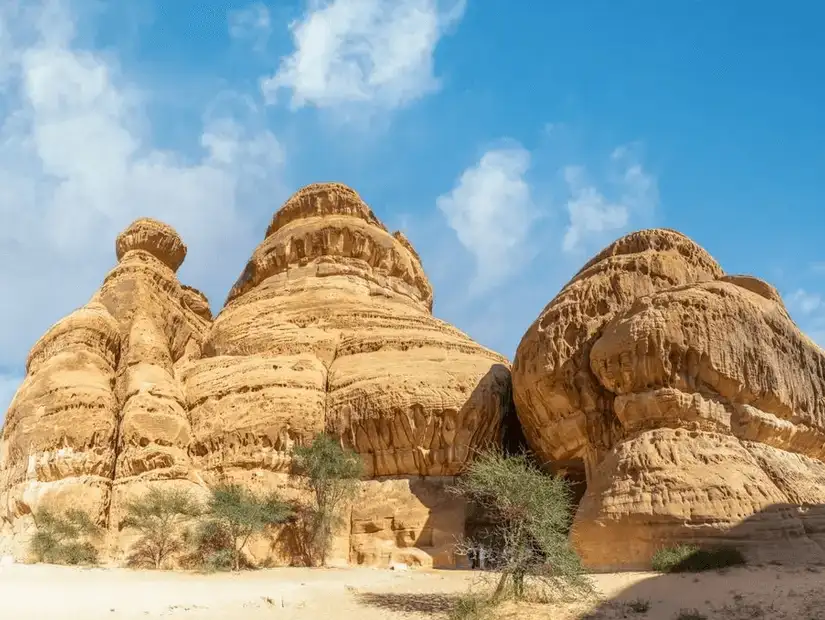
359, 52
589, 211
808, 310
491, 210
251, 24
592, 214
77, 165
805, 302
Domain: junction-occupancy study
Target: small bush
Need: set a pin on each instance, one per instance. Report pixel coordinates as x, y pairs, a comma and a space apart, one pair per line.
694, 559
332, 473
531, 512
691, 614
67, 538
233, 515
639, 606
211, 546
470, 607
160, 516
79, 553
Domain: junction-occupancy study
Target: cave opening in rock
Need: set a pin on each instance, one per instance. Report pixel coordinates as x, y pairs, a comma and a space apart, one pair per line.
573, 471
513, 441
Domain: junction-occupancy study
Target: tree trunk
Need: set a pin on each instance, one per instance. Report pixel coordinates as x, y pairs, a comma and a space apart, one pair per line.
502, 584
518, 584
324, 538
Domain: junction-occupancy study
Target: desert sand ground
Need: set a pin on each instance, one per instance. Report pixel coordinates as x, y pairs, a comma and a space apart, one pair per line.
29, 592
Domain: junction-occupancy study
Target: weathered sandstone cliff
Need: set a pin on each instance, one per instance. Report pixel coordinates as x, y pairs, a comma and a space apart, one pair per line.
687, 399
328, 328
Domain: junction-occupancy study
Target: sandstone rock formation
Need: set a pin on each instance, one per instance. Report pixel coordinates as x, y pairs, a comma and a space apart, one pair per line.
101, 411
687, 399
328, 328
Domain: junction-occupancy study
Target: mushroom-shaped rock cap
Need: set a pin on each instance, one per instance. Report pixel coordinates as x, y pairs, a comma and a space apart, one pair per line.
323, 199
152, 236
661, 240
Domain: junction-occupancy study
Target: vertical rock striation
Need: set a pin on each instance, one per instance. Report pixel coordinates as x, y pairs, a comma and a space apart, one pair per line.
101, 413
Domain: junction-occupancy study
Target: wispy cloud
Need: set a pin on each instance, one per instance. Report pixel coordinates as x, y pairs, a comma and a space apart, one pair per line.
363, 52
592, 215
804, 302
252, 24
589, 211
808, 310
77, 164
491, 210
818, 267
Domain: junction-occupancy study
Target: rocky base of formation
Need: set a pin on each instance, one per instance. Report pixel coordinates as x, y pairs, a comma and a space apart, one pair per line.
400, 520
684, 401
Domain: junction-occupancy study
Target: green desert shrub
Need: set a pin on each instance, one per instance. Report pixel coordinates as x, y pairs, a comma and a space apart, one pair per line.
232, 515
332, 473
69, 537
690, 614
694, 559
210, 547
470, 606
160, 516
531, 510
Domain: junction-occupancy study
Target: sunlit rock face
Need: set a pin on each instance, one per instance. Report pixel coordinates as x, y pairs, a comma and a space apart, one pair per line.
101, 413
688, 399
329, 328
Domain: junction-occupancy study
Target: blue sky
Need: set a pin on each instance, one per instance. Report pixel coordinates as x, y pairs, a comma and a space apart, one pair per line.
510, 141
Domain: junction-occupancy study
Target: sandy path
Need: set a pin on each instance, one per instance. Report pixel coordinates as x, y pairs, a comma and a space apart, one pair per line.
37, 592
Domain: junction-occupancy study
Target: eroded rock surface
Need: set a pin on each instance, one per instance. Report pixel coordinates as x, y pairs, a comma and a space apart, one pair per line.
328, 328
691, 399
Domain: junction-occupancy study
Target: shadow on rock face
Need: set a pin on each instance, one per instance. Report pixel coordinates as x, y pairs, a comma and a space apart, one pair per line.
415, 519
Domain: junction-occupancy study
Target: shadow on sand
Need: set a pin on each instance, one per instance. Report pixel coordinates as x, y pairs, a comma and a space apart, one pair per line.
785, 549
748, 593
410, 603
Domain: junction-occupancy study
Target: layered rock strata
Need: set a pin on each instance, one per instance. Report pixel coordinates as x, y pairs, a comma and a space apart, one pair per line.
329, 328
691, 401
